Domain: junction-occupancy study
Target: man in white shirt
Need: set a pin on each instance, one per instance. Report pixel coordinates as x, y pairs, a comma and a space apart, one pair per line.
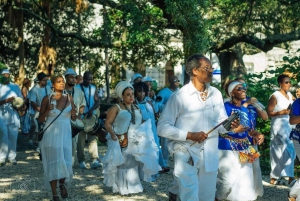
79, 102
165, 95
37, 93
188, 115
9, 119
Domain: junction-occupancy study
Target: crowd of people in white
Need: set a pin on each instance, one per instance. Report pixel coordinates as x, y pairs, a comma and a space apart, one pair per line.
214, 158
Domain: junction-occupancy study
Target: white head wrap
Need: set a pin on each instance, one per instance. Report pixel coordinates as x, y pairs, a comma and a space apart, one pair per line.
135, 76
232, 86
70, 71
147, 79
121, 86
5, 71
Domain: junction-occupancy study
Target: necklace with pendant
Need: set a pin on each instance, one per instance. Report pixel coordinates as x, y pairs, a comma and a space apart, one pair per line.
203, 95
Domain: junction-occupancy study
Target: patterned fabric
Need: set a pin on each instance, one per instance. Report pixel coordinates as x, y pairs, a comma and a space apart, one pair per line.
295, 133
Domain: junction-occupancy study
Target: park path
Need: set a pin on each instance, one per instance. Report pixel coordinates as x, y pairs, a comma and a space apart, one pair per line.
24, 182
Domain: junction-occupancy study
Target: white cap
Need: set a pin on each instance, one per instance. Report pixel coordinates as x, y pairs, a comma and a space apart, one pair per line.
147, 79
5, 71
70, 71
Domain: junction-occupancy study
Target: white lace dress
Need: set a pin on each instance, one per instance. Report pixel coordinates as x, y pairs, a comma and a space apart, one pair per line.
56, 147
121, 166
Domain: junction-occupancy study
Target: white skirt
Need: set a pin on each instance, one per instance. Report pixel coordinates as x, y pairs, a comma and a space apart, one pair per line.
235, 181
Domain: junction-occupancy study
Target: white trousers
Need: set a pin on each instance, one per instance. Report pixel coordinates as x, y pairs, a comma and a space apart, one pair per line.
193, 183
8, 142
295, 189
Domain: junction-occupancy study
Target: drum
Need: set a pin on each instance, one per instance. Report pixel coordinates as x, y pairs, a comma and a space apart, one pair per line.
101, 132
76, 126
91, 125
19, 104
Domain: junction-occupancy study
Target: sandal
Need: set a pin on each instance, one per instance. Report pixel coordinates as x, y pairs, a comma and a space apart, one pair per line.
273, 181
55, 198
63, 191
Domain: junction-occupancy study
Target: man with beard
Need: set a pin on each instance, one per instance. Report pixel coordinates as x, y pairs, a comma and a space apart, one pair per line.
79, 102
37, 93
188, 115
92, 104
9, 119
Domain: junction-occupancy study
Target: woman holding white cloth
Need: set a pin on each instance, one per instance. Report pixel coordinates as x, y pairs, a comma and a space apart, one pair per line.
121, 165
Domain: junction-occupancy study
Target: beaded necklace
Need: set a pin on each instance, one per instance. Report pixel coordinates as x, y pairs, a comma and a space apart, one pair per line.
131, 112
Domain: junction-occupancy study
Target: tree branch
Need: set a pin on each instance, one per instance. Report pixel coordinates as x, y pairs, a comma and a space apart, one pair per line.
84, 41
264, 45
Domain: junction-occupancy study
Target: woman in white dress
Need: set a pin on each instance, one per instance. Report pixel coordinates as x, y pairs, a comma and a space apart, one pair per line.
235, 174
56, 145
121, 165
282, 153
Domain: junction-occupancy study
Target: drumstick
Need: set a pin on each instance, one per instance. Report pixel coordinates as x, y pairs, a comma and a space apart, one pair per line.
230, 119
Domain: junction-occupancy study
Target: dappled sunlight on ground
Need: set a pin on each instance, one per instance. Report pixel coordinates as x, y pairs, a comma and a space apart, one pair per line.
24, 182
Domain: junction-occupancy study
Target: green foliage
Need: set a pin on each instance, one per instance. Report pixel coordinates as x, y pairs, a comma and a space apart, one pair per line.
190, 16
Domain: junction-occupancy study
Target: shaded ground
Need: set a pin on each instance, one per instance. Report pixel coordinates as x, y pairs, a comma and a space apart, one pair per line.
24, 181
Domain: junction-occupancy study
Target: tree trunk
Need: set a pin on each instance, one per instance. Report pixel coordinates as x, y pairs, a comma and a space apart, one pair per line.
47, 55
20, 23
232, 65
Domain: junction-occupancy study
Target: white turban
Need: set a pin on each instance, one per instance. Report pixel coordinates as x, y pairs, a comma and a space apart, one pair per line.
121, 86
231, 86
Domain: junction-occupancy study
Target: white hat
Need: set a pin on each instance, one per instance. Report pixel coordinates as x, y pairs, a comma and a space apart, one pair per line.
121, 86
70, 71
18, 102
147, 79
5, 71
135, 76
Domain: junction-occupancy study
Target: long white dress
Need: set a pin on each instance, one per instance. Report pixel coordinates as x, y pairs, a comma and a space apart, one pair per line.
121, 166
282, 152
56, 147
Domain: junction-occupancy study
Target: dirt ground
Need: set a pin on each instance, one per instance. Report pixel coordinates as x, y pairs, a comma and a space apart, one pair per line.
24, 182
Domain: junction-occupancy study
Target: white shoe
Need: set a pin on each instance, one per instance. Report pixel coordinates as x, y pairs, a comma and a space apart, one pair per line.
82, 165
95, 164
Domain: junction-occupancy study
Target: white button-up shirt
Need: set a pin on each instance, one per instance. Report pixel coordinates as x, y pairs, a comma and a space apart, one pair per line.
186, 112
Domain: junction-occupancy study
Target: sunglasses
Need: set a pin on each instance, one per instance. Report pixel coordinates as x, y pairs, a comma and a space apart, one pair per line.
176, 80
241, 88
245, 85
287, 82
208, 69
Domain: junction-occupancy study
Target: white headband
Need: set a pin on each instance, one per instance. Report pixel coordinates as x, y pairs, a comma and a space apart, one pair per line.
232, 86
